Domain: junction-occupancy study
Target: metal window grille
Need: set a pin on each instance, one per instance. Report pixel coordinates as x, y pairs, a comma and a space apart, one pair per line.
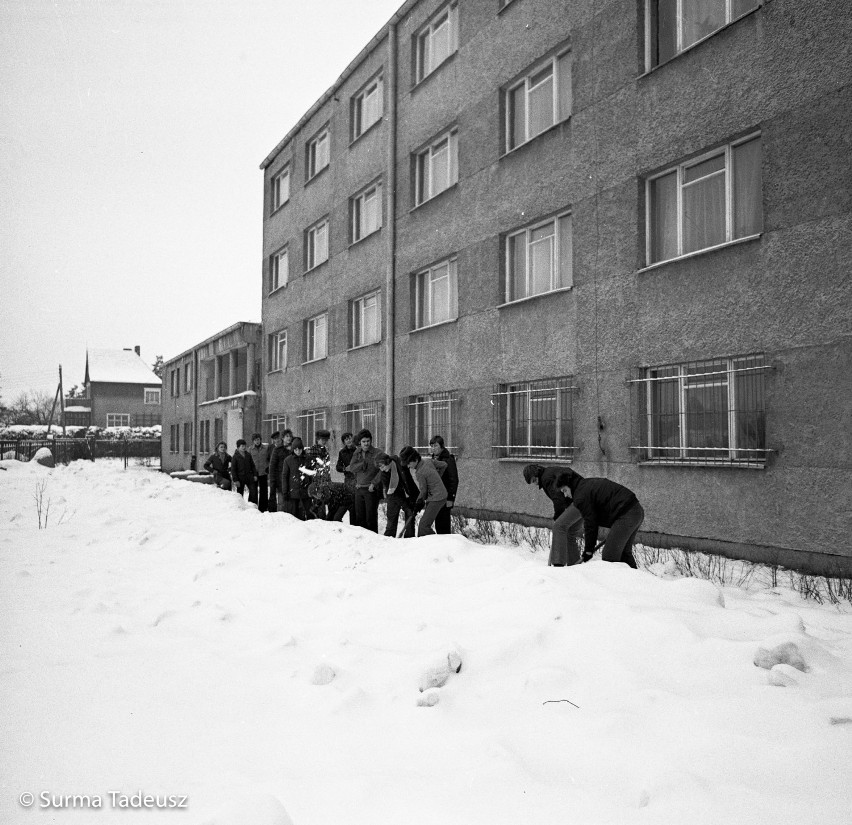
367, 415
275, 422
702, 412
308, 422
534, 419
432, 414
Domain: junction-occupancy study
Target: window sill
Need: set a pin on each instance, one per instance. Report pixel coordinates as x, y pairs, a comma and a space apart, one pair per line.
697, 462
314, 361
535, 137
279, 208
423, 80
380, 119
315, 267
365, 237
420, 205
317, 174
703, 40
277, 289
534, 297
364, 346
275, 372
534, 459
433, 326
707, 251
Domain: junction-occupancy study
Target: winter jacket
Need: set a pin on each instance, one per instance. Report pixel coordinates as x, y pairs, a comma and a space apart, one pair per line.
260, 457
451, 474
343, 459
363, 466
406, 488
242, 467
547, 484
294, 485
219, 465
276, 466
429, 480
601, 502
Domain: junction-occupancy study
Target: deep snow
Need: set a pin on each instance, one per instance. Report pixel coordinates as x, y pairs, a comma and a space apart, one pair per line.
165, 637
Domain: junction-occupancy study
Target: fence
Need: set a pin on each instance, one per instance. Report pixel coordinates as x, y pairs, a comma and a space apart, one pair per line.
66, 450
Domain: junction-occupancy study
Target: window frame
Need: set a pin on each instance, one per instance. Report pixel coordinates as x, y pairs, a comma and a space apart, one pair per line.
422, 66
275, 282
187, 376
276, 187
363, 415
358, 230
311, 235
558, 280
451, 263
374, 84
726, 150
310, 338
118, 415
557, 115
421, 418
274, 342
318, 420
312, 153
357, 309
187, 436
424, 162
156, 390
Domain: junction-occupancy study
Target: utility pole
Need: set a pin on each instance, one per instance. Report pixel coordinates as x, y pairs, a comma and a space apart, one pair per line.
62, 401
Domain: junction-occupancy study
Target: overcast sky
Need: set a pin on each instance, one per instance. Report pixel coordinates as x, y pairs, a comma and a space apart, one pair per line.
131, 197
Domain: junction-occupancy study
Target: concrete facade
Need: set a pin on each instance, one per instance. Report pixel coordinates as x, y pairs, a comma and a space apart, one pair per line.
780, 293
211, 393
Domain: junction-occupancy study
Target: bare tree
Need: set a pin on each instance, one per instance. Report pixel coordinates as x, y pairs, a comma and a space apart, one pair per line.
31, 407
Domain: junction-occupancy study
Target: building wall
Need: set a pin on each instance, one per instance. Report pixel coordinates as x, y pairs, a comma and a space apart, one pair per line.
778, 71
123, 399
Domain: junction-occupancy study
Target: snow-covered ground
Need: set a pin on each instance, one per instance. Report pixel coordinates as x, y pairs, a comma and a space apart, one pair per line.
165, 637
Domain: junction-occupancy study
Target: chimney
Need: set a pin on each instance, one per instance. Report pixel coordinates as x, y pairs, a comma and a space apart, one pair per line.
138, 350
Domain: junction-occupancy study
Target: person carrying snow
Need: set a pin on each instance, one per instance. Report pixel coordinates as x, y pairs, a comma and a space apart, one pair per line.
400, 493
368, 481
599, 502
564, 532
318, 460
243, 472
433, 493
444, 522
219, 464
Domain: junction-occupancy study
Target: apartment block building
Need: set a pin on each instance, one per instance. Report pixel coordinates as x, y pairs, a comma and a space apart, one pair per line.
614, 235
211, 393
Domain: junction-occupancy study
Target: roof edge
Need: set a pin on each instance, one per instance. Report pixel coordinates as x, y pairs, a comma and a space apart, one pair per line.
213, 337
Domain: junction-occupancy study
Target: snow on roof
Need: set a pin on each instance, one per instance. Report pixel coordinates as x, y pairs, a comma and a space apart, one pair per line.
78, 409
118, 366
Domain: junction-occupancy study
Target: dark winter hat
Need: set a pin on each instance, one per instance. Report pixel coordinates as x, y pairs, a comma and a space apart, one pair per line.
383, 458
297, 444
322, 434
408, 454
365, 433
275, 435
532, 472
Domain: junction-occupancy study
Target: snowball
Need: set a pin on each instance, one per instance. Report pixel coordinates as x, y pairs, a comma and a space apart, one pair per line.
785, 654
429, 698
436, 676
323, 674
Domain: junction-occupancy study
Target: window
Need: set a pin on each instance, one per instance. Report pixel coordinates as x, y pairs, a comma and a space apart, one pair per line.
218, 430
279, 269
118, 420
316, 244
433, 414
364, 322
538, 101
204, 446
675, 25
316, 337
534, 419
276, 422
436, 41
436, 167
281, 188
706, 412
308, 422
317, 153
152, 395
367, 107
174, 378
539, 259
187, 376
366, 212
173, 438
277, 343
367, 415
435, 295
706, 202
187, 437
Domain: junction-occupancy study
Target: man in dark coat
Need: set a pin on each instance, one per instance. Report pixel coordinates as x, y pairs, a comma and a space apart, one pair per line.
243, 472
220, 465
260, 453
564, 533
293, 496
367, 481
279, 449
444, 522
344, 457
400, 493
599, 502
318, 462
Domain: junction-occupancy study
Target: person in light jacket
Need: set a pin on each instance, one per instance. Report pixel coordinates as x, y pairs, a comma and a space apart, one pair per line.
219, 464
433, 493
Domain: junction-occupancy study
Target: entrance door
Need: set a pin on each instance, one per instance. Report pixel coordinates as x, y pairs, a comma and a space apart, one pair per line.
233, 428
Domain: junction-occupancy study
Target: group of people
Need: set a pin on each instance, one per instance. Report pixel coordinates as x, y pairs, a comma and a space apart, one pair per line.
285, 476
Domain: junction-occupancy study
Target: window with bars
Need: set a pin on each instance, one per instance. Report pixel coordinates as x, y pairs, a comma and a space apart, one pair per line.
187, 437
436, 167
436, 41
317, 153
279, 268
705, 412
316, 244
539, 100
432, 414
364, 321
539, 259
308, 422
709, 201
365, 210
367, 107
281, 188
366, 415
534, 419
277, 355
435, 295
316, 337
674, 25
275, 422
